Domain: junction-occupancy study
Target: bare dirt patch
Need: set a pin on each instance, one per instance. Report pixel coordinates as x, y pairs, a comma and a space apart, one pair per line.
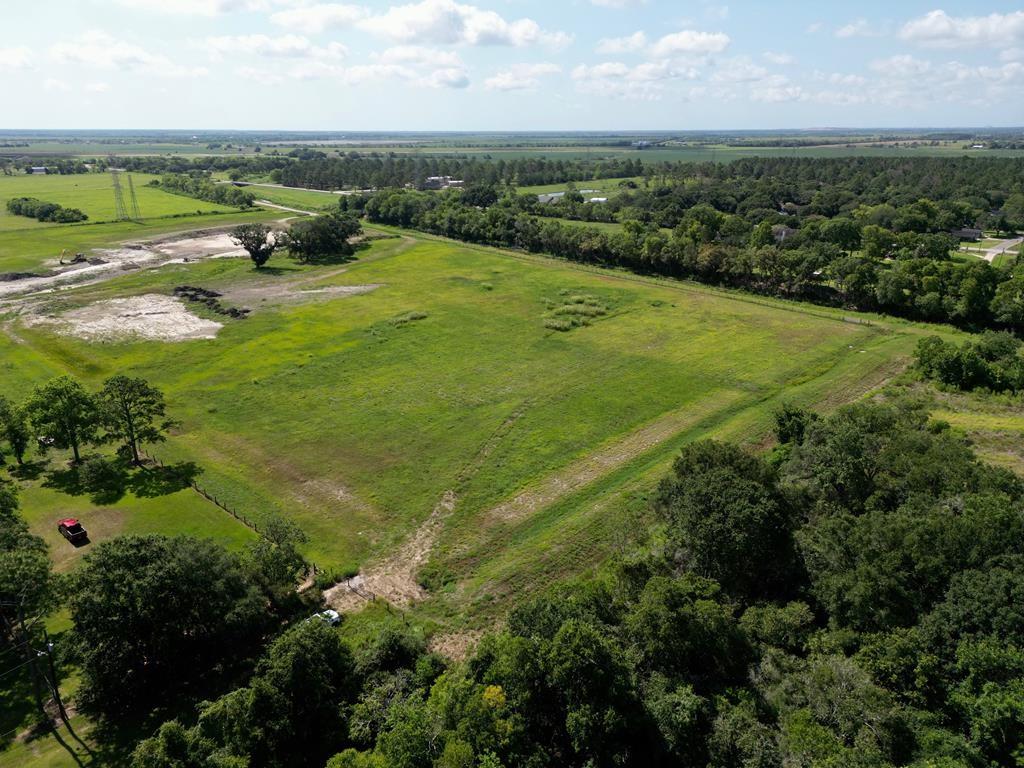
394, 578
107, 263
292, 293
150, 317
455, 646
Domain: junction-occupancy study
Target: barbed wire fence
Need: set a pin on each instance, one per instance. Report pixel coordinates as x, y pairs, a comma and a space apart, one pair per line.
211, 497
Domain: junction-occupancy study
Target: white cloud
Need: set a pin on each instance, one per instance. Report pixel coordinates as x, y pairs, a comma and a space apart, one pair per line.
447, 22
418, 54
740, 70
619, 3
286, 46
853, 81
259, 75
643, 81
19, 57
901, 66
314, 19
101, 51
53, 84
423, 67
690, 42
629, 44
858, 28
781, 59
940, 30
97, 87
521, 77
196, 7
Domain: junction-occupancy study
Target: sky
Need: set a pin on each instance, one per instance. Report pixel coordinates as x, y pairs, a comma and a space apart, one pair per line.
517, 65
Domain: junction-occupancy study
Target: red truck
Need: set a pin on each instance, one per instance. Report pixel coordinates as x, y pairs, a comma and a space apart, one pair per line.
72, 530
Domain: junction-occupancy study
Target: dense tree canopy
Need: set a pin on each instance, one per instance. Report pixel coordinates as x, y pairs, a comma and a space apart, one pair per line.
152, 614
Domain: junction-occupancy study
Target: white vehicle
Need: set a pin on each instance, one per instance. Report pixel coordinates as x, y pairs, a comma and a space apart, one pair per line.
330, 617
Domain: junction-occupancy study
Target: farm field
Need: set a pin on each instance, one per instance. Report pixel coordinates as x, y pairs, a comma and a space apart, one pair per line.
93, 193
355, 413
304, 199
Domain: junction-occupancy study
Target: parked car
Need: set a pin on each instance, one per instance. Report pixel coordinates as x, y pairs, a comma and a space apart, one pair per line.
72, 530
329, 617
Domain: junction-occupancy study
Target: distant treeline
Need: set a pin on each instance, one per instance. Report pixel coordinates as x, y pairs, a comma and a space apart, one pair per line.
43, 211
842, 261
202, 187
355, 171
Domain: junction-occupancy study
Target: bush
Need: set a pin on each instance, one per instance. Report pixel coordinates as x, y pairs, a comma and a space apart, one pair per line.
41, 211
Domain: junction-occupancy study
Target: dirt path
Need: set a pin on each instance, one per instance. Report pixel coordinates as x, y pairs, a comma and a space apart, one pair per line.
603, 461
276, 207
395, 578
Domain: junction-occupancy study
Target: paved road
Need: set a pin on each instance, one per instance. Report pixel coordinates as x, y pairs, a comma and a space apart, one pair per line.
1003, 247
990, 254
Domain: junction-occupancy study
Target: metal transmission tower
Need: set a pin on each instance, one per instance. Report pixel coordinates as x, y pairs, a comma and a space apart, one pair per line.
122, 210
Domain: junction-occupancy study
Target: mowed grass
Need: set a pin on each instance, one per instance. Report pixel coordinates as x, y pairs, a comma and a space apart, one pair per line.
93, 194
302, 199
352, 419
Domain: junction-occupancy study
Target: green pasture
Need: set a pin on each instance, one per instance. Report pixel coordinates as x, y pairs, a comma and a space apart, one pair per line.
353, 421
93, 193
303, 199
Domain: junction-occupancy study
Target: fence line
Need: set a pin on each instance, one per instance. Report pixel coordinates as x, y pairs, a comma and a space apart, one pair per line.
208, 496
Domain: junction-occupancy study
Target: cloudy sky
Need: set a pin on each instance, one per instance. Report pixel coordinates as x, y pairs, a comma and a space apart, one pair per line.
510, 64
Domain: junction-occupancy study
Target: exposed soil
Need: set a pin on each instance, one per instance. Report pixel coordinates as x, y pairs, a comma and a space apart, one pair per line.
455, 646
394, 579
151, 317
108, 263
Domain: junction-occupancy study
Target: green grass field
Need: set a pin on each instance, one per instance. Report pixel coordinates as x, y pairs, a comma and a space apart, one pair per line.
93, 193
354, 415
303, 199
354, 423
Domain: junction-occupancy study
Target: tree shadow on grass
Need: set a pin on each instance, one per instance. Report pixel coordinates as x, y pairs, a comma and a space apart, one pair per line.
152, 481
30, 470
266, 271
105, 481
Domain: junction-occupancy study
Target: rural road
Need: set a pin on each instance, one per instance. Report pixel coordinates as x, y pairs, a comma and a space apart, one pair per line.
990, 254
276, 207
1003, 247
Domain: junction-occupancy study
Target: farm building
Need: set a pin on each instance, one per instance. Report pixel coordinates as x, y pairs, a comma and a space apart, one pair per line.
442, 182
551, 197
39, 170
968, 233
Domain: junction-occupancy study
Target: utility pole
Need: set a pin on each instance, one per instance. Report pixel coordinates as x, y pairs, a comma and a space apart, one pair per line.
31, 658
